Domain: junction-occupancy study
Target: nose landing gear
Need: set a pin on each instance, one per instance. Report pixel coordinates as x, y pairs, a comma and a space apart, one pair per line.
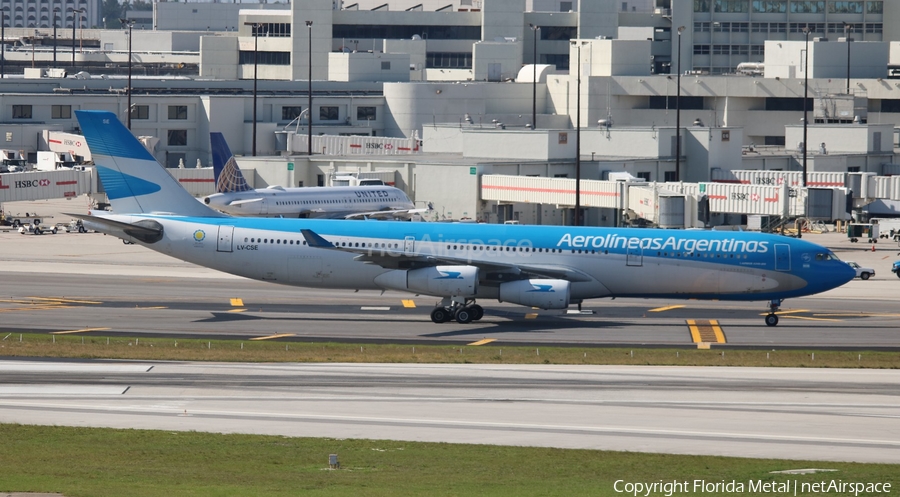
772, 317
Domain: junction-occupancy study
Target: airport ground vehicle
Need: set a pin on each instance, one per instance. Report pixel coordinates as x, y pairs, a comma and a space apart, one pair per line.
76, 226
862, 273
17, 222
896, 268
37, 228
862, 231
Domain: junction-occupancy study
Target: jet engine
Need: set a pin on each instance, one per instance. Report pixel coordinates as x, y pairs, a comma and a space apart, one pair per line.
544, 294
442, 281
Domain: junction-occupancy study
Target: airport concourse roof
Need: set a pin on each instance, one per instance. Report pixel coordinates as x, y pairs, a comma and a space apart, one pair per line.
454, 159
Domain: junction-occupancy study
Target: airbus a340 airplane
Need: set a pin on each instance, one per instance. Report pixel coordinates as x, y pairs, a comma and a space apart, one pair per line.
549, 267
234, 196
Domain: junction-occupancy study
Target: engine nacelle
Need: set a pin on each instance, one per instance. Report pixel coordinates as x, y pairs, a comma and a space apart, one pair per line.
440, 281
543, 294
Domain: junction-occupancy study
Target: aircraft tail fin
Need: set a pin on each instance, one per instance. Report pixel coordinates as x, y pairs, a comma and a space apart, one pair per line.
228, 176
135, 182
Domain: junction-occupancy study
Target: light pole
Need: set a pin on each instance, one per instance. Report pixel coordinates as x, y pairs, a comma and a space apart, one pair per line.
130, 24
534, 77
805, 100
3, 42
678, 112
255, 26
75, 13
848, 28
309, 117
578, 135
55, 21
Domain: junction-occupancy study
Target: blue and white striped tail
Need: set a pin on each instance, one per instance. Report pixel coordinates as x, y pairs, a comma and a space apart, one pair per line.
134, 181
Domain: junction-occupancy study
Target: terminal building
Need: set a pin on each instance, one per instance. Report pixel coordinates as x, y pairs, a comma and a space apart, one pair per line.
462, 84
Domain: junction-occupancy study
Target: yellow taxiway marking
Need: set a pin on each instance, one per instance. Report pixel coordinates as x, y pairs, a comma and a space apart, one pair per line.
409, 303
706, 331
857, 315
67, 301
484, 341
237, 310
813, 319
154, 307
280, 335
39, 307
531, 315
782, 313
237, 302
703, 345
667, 308
84, 330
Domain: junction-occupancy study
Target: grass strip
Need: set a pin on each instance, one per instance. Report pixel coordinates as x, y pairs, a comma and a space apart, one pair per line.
100, 462
99, 347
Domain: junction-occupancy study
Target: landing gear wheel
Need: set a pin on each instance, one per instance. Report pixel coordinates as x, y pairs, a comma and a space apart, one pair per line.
771, 319
464, 315
477, 312
440, 315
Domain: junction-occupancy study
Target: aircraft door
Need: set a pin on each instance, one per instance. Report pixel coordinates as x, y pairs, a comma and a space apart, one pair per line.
782, 257
226, 235
634, 256
264, 206
409, 244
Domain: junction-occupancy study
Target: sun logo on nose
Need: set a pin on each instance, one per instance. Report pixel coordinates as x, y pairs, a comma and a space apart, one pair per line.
199, 235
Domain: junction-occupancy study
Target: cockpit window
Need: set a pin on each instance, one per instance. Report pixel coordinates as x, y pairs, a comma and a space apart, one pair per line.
827, 256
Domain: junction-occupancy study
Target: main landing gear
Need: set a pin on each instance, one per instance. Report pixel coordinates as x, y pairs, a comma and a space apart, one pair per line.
772, 318
463, 311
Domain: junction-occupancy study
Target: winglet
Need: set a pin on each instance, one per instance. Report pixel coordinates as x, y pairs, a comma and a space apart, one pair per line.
316, 241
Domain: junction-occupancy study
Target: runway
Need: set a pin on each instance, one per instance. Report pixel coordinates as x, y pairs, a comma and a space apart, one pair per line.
831, 415
69, 282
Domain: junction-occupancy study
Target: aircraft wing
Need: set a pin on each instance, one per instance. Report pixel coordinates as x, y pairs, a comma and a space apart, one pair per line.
395, 259
388, 214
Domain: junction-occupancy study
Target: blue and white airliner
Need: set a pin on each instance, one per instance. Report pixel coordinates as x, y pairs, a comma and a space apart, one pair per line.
235, 197
549, 267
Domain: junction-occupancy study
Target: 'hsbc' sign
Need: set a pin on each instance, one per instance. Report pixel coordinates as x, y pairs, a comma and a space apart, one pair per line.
32, 183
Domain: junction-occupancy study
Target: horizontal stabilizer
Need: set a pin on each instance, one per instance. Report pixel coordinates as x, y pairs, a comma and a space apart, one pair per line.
388, 214
245, 201
145, 230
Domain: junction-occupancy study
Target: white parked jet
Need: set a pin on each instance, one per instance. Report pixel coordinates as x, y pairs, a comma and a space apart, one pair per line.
235, 197
549, 267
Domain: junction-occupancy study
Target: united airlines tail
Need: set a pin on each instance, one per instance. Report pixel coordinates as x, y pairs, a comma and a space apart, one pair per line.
228, 176
134, 181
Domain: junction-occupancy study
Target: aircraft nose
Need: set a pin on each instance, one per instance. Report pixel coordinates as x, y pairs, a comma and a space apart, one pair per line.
842, 274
